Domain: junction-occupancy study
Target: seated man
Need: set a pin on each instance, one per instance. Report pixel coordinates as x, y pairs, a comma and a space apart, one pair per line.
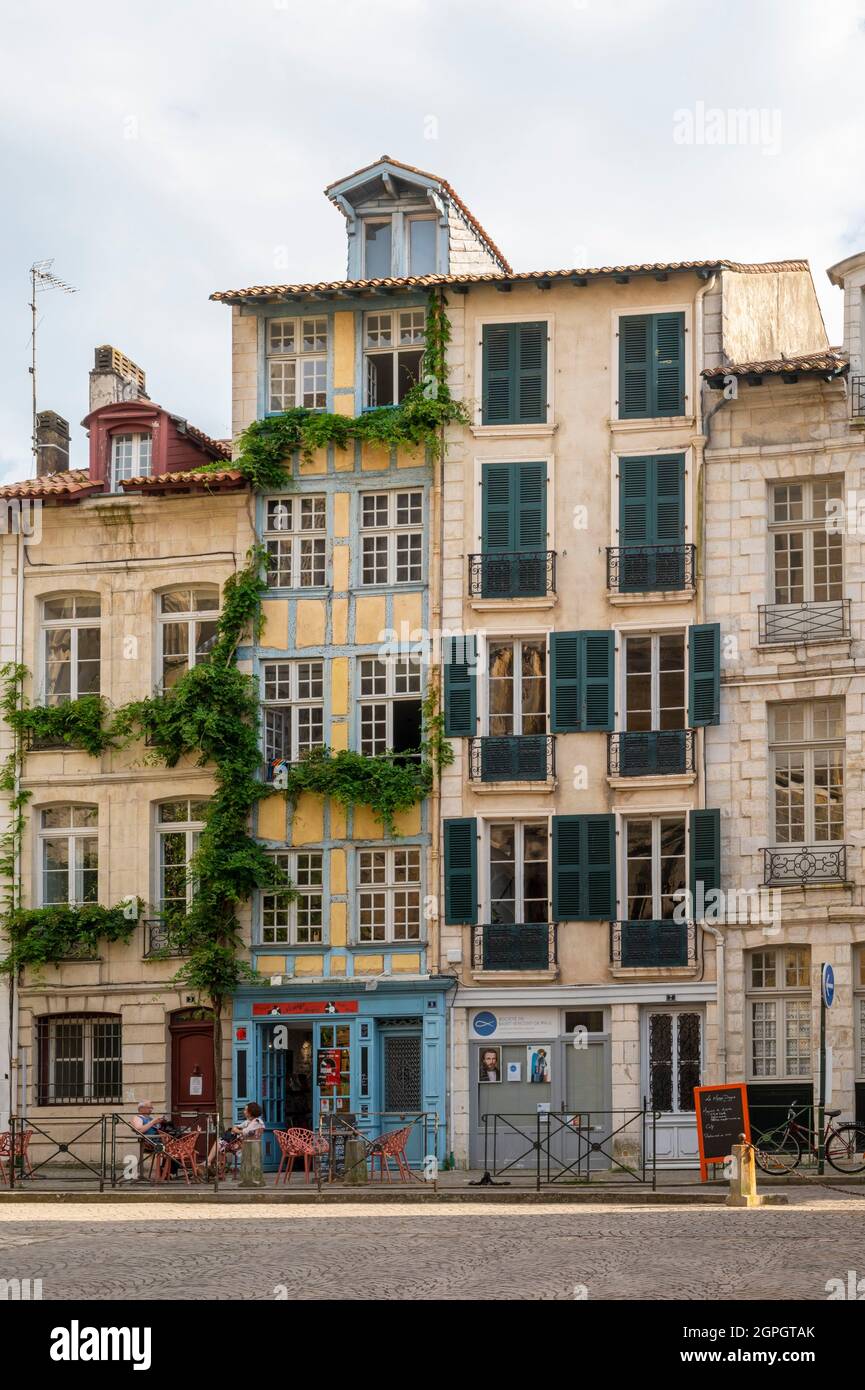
149, 1130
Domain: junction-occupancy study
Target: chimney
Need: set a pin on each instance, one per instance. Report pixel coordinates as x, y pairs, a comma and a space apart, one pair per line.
115, 378
52, 443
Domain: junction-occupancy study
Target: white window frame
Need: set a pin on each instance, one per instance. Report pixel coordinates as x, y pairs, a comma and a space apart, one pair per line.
378, 221
516, 641
808, 527
780, 995
658, 421
293, 677
519, 431
392, 531
297, 864
191, 828
389, 889
408, 220
140, 461
391, 350
390, 696
655, 816
541, 818
74, 624
675, 1011
809, 745
288, 518
73, 836
622, 638
191, 618
314, 357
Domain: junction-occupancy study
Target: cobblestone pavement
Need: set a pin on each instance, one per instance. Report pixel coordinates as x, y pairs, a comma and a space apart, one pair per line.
487, 1252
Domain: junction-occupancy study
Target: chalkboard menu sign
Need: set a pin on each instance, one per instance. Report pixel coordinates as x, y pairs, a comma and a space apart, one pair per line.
722, 1116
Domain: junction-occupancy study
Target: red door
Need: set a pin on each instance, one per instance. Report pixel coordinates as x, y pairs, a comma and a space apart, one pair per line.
193, 1090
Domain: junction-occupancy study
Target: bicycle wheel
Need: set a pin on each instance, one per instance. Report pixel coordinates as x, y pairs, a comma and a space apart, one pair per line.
845, 1148
777, 1154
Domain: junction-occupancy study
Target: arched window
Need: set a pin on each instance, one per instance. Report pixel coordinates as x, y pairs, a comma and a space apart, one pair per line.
187, 630
68, 855
130, 457
70, 647
78, 1059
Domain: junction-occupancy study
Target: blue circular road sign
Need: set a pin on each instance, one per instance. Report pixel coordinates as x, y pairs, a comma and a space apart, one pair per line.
828, 985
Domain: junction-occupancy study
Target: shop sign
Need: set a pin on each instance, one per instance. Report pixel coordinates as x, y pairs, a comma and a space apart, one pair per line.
304, 1006
515, 1023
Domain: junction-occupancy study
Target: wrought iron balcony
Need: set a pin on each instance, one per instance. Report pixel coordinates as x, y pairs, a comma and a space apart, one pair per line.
514, 758
804, 622
157, 939
664, 945
638, 569
659, 753
514, 946
803, 864
857, 396
512, 574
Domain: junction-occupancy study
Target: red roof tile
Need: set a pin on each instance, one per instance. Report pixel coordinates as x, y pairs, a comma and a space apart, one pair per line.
68, 484
824, 360
219, 480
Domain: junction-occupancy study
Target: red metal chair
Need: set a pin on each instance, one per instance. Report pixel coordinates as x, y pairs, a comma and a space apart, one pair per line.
387, 1147
182, 1151
22, 1151
228, 1159
298, 1143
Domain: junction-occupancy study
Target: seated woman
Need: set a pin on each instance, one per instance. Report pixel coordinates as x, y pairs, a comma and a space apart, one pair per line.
250, 1128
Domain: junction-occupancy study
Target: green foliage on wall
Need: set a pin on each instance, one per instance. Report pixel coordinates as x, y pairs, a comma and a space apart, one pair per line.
44, 935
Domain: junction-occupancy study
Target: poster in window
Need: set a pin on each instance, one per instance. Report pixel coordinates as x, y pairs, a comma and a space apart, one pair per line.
329, 1069
539, 1064
490, 1064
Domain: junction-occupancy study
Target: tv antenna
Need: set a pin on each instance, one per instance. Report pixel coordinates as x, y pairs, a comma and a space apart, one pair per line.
42, 278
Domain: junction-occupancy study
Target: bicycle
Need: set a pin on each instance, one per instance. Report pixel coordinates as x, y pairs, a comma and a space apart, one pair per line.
780, 1150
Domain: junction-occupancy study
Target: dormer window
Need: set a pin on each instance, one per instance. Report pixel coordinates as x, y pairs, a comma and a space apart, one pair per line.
421, 245
394, 345
377, 250
130, 457
296, 364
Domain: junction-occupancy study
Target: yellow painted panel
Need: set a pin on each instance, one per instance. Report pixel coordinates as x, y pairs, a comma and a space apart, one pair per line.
369, 619
307, 822
343, 349
339, 685
271, 817
343, 459
337, 965
339, 621
405, 965
274, 632
344, 405
337, 871
365, 826
270, 965
411, 458
337, 820
316, 464
339, 736
407, 613
341, 511
374, 458
309, 965
368, 965
311, 615
408, 822
340, 569
337, 924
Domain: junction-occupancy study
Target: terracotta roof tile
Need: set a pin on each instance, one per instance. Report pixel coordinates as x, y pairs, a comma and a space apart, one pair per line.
424, 282
825, 360
70, 483
194, 479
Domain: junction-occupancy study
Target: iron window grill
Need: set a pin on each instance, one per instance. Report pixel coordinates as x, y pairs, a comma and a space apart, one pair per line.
857, 395
660, 945
804, 864
659, 753
158, 939
402, 1072
636, 569
804, 622
512, 758
79, 1059
515, 946
512, 574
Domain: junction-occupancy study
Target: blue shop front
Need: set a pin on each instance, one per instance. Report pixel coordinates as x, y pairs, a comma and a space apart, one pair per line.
377, 1056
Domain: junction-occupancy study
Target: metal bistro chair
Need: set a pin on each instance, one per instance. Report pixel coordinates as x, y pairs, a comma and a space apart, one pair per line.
229, 1159
22, 1151
391, 1146
298, 1143
183, 1152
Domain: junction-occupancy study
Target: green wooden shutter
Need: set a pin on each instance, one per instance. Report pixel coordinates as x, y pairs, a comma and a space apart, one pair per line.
497, 494
669, 364
584, 868
705, 857
530, 491
461, 872
669, 499
459, 660
565, 682
636, 502
531, 373
597, 681
635, 366
704, 674
497, 402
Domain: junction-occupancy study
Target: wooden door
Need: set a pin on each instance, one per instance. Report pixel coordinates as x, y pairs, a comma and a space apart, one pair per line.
193, 1088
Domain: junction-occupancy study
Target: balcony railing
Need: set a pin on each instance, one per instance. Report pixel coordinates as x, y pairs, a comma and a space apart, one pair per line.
513, 574
803, 864
514, 946
659, 753
857, 396
515, 758
157, 939
638, 569
804, 622
664, 945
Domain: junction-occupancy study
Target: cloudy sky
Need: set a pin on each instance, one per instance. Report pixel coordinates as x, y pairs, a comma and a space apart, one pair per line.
162, 151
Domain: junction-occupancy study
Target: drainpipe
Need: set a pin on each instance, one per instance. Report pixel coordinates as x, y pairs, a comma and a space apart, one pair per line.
14, 1059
